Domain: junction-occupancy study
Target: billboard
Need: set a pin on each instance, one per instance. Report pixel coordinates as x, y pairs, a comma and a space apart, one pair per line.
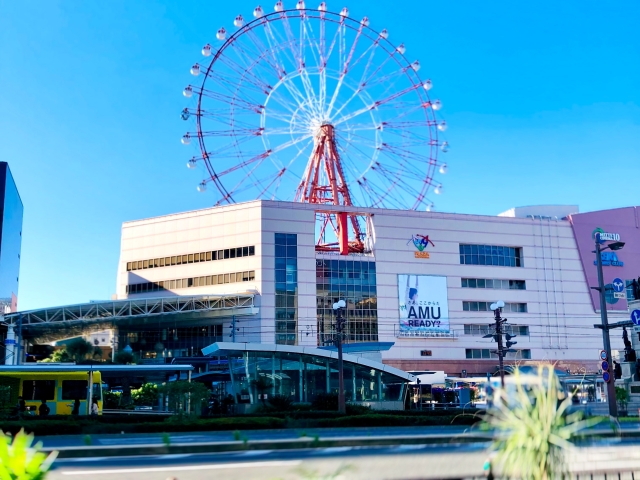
424, 306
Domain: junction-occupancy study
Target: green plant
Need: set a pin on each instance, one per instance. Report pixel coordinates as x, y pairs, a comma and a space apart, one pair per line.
185, 397
124, 358
87, 440
325, 401
166, 439
532, 427
22, 461
622, 397
147, 394
281, 403
111, 399
262, 384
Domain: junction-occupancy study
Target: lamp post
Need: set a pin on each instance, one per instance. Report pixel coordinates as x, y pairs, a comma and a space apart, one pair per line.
340, 323
611, 385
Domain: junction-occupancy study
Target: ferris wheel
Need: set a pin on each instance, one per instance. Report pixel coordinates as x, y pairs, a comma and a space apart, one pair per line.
313, 106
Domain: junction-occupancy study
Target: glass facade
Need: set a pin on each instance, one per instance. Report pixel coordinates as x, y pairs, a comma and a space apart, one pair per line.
11, 210
354, 282
491, 255
160, 342
286, 259
302, 377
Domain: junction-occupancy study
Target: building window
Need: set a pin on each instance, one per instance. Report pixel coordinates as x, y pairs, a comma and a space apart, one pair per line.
286, 276
485, 353
485, 307
38, 389
235, 277
354, 282
192, 258
486, 329
494, 283
491, 255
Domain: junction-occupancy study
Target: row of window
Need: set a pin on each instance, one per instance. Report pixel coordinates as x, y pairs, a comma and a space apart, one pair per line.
481, 330
46, 389
192, 282
491, 255
495, 283
488, 353
192, 258
286, 276
485, 307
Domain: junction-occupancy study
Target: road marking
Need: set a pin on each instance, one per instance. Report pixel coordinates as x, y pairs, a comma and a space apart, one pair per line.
287, 463
254, 453
335, 449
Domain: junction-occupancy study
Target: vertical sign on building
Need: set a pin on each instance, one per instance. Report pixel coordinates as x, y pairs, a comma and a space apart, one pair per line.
424, 305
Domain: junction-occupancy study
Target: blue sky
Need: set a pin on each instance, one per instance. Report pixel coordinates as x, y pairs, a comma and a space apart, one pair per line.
541, 98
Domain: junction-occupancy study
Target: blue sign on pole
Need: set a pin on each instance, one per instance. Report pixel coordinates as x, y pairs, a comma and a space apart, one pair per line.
635, 317
618, 285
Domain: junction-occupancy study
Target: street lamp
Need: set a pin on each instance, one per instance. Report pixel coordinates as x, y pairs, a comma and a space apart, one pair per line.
340, 323
611, 385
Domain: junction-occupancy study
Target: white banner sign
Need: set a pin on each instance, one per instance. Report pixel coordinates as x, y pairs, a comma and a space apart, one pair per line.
424, 305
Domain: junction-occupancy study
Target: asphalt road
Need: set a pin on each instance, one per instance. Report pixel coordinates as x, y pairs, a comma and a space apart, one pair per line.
56, 441
366, 463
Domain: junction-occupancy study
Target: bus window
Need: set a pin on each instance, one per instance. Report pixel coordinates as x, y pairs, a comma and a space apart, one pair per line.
72, 389
38, 389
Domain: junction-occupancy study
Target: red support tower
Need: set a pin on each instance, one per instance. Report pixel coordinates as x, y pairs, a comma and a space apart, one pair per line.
324, 183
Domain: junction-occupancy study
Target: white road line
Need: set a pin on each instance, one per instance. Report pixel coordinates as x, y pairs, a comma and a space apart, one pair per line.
287, 463
254, 453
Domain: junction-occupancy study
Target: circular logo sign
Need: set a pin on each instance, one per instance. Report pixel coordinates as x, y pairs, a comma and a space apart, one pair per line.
603, 354
635, 317
606, 377
605, 366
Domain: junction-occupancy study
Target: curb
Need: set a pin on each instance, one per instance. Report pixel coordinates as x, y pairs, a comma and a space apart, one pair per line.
286, 444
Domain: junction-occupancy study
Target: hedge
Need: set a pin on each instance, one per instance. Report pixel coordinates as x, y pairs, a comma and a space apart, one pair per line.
91, 426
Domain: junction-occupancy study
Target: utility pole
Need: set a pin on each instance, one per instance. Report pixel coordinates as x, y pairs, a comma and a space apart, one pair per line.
340, 324
611, 384
497, 336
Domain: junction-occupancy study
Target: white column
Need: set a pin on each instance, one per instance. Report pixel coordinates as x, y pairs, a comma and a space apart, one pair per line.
10, 346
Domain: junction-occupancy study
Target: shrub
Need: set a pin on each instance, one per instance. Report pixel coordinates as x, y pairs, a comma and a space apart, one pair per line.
326, 402
281, 403
147, 394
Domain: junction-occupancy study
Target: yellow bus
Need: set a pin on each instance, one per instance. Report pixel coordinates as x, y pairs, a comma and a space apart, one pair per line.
59, 386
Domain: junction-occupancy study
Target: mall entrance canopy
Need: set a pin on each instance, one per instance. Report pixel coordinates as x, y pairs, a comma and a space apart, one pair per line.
257, 371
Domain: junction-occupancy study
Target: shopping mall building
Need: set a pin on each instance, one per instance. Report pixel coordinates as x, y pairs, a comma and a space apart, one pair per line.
419, 296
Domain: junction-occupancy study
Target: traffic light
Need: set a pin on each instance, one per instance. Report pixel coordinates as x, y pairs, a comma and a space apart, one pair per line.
509, 337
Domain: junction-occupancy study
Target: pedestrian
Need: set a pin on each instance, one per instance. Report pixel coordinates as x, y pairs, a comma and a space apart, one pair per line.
44, 409
94, 406
76, 407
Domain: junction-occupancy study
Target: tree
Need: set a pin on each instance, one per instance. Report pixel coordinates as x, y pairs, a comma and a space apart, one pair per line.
76, 350
124, 358
262, 384
185, 397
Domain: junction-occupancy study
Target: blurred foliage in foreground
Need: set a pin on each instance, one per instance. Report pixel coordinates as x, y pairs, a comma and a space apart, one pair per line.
532, 425
20, 460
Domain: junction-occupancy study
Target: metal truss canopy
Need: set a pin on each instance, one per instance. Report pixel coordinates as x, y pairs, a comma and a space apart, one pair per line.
112, 311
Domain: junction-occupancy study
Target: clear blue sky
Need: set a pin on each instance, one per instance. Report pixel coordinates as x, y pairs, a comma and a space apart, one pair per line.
542, 99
